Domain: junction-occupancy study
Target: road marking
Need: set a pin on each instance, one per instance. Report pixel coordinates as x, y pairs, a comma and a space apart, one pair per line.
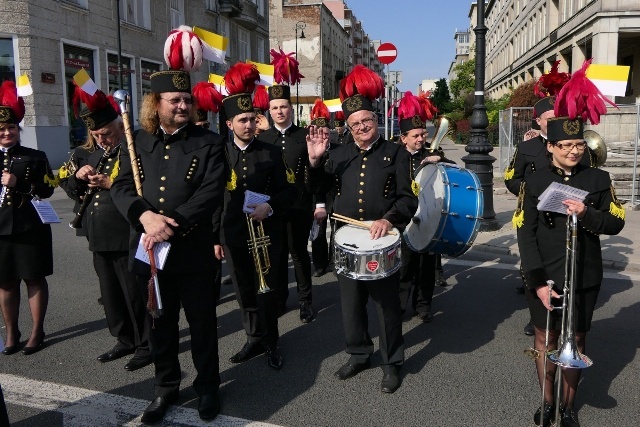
87, 408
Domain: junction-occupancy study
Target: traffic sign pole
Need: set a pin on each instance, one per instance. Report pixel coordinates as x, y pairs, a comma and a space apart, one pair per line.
387, 53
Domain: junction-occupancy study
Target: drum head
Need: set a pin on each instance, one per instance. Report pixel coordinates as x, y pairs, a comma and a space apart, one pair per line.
431, 198
357, 239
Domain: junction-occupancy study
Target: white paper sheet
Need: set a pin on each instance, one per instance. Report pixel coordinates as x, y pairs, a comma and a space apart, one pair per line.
45, 211
551, 199
160, 252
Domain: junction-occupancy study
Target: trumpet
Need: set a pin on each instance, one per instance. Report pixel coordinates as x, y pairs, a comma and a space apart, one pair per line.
258, 243
443, 128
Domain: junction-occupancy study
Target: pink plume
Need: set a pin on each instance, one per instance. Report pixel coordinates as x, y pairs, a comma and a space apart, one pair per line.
411, 106
183, 49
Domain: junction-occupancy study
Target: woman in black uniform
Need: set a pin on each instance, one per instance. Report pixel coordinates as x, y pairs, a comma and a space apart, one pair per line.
542, 243
25, 242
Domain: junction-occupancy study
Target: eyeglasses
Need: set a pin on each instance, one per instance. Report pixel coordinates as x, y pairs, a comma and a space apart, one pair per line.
177, 101
568, 146
366, 122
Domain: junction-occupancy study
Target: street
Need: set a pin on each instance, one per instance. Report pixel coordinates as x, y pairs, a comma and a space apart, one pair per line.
466, 368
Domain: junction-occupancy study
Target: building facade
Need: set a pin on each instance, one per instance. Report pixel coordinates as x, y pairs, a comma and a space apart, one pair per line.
51, 40
525, 37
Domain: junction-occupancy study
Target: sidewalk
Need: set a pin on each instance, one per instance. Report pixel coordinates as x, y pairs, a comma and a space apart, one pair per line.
621, 252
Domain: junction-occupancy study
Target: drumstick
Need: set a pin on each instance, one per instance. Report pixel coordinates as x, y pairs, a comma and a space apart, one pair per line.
352, 221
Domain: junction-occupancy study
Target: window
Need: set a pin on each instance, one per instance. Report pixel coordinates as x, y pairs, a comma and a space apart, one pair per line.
80, 3
76, 58
260, 4
261, 50
136, 12
7, 60
112, 73
176, 8
212, 5
146, 69
244, 45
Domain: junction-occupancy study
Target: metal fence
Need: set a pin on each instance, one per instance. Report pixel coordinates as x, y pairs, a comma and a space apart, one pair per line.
512, 126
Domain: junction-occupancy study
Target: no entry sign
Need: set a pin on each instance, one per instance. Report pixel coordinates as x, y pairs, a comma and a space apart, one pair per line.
387, 53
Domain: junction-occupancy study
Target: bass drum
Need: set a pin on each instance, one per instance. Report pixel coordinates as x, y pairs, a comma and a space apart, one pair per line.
450, 207
359, 257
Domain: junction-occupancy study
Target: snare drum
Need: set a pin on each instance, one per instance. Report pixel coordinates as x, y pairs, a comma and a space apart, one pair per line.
357, 256
450, 206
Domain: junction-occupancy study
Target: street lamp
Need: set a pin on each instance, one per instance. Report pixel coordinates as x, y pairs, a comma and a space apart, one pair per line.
478, 159
299, 26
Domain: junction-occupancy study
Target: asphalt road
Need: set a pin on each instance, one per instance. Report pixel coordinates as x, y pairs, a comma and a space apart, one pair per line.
467, 368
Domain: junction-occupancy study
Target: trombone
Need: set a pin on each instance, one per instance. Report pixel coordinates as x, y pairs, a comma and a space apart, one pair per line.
258, 243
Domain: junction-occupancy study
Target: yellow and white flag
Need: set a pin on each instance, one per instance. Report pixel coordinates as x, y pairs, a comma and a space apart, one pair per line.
333, 105
610, 79
24, 86
266, 73
218, 82
215, 46
83, 80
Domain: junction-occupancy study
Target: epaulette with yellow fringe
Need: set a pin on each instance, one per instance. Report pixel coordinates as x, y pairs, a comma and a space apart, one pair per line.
52, 182
510, 171
63, 172
115, 170
233, 181
615, 207
518, 215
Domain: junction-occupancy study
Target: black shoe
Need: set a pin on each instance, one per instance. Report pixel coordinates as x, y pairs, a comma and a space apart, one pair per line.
137, 362
529, 330
547, 416
35, 348
115, 353
425, 317
318, 272
12, 349
441, 282
520, 289
208, 406
348, 370
227, 280
306, 312
274, 359
568, 418
249, 351
391, 379
158, 407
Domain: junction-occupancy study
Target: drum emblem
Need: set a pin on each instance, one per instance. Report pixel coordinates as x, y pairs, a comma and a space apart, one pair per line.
372, 266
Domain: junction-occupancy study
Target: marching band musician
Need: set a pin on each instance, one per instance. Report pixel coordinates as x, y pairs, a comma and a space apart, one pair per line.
25, 242
299, 217
253, 165
341, 134
181, 168
373, 183
542, 238
417, 268
106, 229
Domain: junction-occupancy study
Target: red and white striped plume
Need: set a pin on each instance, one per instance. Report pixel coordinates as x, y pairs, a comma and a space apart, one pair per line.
183, 49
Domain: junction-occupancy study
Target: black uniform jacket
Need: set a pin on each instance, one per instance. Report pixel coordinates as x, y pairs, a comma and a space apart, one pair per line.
30, 167
259, 168
294, 146
415, 159
530, 156
542, 237
182, 178
105, 227
370, 185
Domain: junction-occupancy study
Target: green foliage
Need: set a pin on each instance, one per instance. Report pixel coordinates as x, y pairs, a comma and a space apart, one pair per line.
441, 97
464, 82
495, 105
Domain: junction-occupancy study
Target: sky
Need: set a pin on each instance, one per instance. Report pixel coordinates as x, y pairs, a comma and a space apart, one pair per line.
421, 30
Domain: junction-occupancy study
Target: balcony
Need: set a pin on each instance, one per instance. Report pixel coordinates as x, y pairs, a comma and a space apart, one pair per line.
248, 18
357, 35
230, 8
357, 52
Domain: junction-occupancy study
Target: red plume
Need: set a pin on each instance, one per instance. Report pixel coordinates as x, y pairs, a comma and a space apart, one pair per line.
410, 106
551, 83
581, 98
207, 96
363, 81
339, 115
261, 98
183, 49
114, 104
285, 67
9, 98
241, 78
319, 109
94, 102
430, 110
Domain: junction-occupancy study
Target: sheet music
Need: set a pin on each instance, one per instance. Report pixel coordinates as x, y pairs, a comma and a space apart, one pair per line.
45, 211
551, 199
160, 252
252, 198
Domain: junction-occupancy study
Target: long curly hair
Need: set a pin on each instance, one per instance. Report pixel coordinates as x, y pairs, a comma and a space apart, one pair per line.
148, 116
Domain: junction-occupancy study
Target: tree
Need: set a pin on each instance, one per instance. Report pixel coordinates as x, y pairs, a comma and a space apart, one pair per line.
465, 80
523, 96
441, 97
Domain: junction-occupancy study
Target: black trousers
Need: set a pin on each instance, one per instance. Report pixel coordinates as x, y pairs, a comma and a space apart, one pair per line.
297, 228
258, 310
419, 271
123, 303
354, 295
321, 251
196, 293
